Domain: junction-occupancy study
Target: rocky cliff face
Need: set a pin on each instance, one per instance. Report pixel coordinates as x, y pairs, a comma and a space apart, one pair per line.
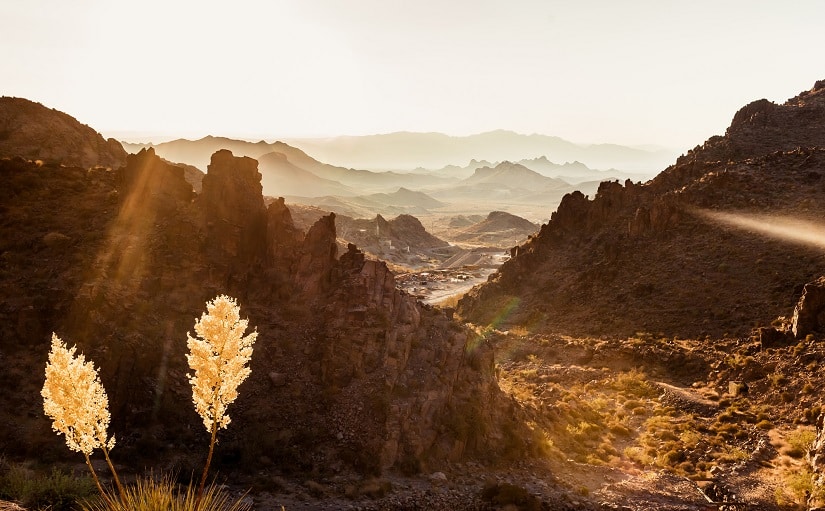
347, 370
649, 257
32, 131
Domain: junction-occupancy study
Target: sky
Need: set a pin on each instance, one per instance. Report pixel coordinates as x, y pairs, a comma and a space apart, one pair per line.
636, 72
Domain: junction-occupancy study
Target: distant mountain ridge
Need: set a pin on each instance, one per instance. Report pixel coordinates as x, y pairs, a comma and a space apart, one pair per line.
285, 178
577, 172
411, 150
498, 229
514, 175
408, 150
282, 177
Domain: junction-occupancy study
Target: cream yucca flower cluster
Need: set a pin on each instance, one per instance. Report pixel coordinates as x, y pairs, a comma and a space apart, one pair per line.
75, 400
218, 357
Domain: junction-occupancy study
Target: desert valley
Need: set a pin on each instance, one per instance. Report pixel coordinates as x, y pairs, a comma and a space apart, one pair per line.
496, 321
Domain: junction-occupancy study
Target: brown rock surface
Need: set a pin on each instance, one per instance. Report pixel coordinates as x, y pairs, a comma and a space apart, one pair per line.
646, 257
347, 371
809, 313
234, 208
33, 131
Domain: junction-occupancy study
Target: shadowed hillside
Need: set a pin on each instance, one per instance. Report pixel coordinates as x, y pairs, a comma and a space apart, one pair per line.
348, 372
32, 131
654, 258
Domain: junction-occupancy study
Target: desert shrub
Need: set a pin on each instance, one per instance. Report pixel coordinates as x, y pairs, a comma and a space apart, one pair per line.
799, 442
668, 435
738, 361
674, 456
163, 494
634, 383
639, 455
630, 404
811, 414
727, 430
55, 490
619, 429
733, 454
801, 485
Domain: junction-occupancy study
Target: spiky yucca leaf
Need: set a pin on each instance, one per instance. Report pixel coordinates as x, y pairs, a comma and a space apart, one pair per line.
162, 494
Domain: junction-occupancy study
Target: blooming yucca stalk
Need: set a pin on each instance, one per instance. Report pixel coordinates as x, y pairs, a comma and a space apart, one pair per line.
219, 357
77, 404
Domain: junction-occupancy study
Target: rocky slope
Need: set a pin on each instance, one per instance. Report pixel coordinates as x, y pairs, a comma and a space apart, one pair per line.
33, 131
657, 257
348, 372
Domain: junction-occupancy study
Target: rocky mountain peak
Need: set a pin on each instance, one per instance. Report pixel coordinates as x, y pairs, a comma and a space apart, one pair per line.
232, 201
35, 132
639, 256
148, 177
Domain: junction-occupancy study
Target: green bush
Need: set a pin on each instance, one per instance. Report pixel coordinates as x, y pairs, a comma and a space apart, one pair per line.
55, 491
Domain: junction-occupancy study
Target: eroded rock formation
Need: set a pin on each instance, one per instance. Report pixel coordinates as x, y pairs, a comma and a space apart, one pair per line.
809, 313
347, 370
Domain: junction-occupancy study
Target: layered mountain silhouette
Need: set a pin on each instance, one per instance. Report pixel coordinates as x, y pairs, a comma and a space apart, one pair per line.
290, 172
399, 202
577, 172
508, 184
406, 150
282, 173
658, 257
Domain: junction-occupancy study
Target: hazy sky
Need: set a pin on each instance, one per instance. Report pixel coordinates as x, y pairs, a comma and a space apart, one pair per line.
661, 72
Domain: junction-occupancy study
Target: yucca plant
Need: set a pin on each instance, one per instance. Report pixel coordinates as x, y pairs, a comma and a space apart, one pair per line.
218, 356
162, 494
77, 404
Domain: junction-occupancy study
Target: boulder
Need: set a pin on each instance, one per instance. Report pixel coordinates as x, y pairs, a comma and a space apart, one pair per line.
809, 313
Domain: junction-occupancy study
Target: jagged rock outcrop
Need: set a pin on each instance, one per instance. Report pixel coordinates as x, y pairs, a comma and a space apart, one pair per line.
423, 373
653, 257
398, 239
33, 131
809, 313
282, 235
347, 370
318, 256
146, 177
762, 127
233, 203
